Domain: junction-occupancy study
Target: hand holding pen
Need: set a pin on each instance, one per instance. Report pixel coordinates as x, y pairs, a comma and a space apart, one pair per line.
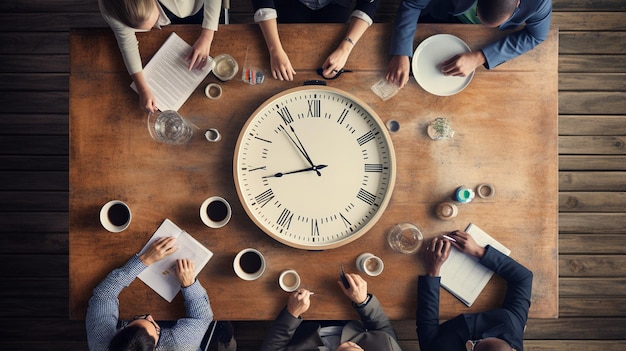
299, 302
464, 242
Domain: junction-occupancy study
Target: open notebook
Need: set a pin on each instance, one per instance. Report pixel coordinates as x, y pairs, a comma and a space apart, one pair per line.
462, 275
160, 275
168, 75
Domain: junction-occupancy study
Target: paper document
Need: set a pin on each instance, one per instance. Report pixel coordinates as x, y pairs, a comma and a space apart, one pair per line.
160, 275
168, 75
462, 275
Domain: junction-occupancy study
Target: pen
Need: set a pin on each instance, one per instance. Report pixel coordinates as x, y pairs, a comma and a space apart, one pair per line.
449, 238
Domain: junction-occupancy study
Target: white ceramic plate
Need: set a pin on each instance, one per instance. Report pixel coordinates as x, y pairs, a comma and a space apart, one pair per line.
427, 60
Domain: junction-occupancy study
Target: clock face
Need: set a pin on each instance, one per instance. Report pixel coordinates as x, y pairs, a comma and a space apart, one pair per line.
314, 167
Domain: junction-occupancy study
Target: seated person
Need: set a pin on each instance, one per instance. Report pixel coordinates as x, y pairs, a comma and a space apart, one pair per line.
106, 332
500, 329
504, 14
126, 17
372, 332
267, 12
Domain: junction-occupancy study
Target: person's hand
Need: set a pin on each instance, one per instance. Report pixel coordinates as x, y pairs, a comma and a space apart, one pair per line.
199, 53
299, 302
162, 247
398, 70
466, 244
463, 65
437, 252
337, 60
358, 288
281, 66
147, 101
184, 272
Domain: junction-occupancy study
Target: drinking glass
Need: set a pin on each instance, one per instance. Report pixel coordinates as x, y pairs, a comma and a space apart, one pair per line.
169, 127
405, 238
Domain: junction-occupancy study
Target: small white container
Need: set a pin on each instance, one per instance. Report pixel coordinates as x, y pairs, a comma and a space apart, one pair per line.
370, 264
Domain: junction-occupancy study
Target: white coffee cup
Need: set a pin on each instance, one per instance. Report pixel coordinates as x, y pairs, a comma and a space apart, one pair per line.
289, 280
213, 91
213, 135
249, 264
369, 264
115, 216
215, 212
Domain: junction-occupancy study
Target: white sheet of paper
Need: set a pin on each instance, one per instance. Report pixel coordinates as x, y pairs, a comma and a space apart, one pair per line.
462, 275
168, 75
160, 275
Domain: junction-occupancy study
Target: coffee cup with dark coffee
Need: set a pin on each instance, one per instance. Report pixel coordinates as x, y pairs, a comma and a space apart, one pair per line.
115, 216
249, 264
215, 212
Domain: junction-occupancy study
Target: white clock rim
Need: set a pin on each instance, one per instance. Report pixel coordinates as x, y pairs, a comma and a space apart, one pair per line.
384, 203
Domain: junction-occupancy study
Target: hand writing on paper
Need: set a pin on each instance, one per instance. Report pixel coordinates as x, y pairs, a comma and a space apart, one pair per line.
466, 244
437, 252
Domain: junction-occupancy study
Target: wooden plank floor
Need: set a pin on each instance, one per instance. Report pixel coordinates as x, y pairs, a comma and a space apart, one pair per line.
34, 70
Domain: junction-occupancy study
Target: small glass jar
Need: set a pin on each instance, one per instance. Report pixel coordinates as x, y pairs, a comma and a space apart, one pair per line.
405, 238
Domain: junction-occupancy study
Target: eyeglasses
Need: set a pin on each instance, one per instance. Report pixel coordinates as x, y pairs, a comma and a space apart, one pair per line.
471, 344
145, 316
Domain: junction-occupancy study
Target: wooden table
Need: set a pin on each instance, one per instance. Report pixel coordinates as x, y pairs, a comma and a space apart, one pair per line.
506, 134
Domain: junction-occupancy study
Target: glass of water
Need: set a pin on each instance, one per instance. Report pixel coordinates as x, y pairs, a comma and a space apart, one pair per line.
405, 238
169, 127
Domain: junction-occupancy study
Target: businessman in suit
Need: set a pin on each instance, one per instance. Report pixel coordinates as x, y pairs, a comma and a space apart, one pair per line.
372, 332
495, 330
530, 17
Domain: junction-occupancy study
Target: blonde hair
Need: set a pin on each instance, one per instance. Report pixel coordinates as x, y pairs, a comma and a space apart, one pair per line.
132, 13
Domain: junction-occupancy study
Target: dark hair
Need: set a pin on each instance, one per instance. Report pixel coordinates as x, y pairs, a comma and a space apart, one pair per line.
133, 338
495, 11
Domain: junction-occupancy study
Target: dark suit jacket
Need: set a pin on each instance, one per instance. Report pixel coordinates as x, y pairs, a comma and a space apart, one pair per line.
506, 322
373, 332
535, 14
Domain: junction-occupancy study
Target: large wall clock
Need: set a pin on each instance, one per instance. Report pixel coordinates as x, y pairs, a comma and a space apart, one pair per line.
314, 167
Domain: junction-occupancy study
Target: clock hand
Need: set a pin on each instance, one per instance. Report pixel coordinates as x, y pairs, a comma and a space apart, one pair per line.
299, 147
306, 154
314, 168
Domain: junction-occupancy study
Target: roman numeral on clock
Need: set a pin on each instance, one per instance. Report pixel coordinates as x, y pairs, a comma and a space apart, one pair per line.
264, 197
343, 115
365, 138
366, 196
284, 113
315, 229
314, 108
284, 220
374, 167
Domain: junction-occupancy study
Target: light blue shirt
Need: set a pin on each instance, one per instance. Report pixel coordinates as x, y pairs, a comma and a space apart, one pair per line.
103, 312
534, 15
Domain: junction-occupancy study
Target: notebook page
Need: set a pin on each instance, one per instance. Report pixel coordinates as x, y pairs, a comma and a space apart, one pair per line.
463, 275
168, 75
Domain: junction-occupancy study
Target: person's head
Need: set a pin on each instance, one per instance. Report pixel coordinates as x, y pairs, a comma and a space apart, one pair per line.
138, 14
488, 344
493, 13
349, 346
141, 334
